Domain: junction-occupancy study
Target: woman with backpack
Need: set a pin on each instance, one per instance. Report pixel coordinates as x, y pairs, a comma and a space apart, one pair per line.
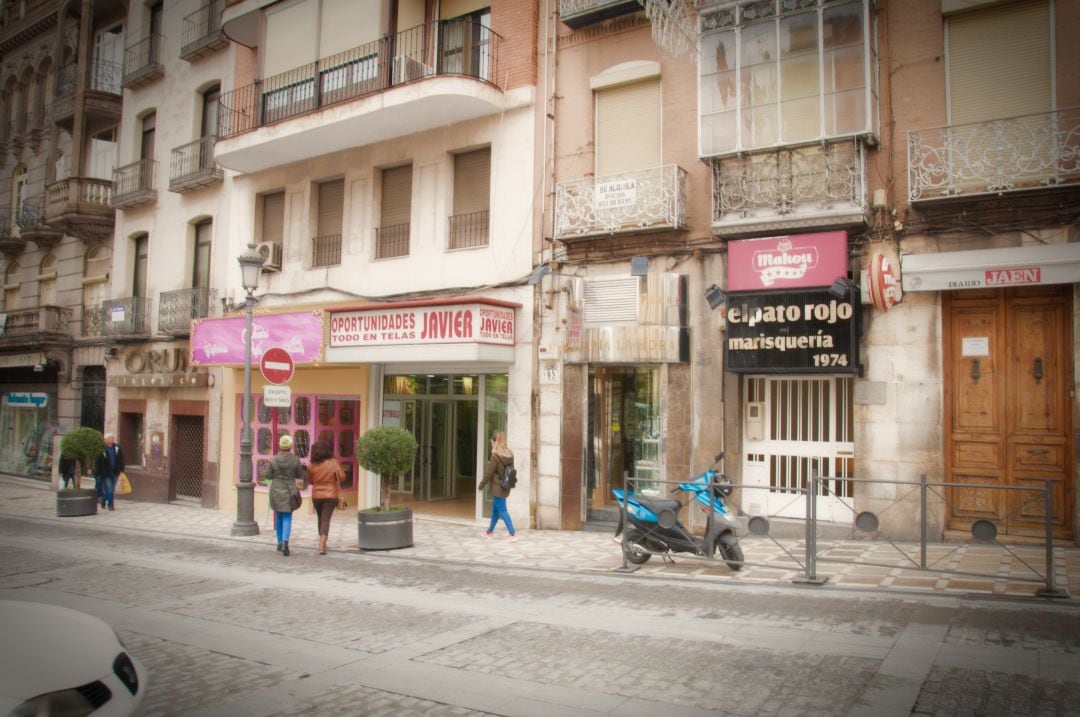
502, 481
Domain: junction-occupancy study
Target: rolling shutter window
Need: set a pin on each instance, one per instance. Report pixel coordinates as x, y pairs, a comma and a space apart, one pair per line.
396, 196
347, 24
999, 62
273, 217
291, 37
472, 181
331, 207
628, 128
611, 301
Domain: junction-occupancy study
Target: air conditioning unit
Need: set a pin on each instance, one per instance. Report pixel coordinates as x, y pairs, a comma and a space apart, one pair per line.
270, 251
407, 69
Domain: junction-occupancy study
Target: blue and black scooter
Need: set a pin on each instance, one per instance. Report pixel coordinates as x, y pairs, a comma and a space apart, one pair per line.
655, 527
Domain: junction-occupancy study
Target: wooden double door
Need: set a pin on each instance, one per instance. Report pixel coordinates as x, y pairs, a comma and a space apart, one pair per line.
1008, 402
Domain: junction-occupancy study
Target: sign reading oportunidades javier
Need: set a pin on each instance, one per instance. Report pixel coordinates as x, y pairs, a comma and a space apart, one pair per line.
431, 323
221, 342
787, 262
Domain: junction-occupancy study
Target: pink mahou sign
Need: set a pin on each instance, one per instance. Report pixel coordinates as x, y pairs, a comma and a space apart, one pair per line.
220, 342
787, 262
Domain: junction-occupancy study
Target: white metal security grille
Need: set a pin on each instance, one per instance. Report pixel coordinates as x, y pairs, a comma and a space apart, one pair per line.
611, 301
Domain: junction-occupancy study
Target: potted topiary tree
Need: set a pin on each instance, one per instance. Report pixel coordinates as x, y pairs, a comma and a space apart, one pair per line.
388, 451
84, 445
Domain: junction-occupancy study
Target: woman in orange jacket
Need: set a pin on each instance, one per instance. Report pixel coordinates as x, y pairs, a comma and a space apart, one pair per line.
325, 476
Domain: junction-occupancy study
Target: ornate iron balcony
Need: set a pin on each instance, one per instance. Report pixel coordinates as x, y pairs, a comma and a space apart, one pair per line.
91, 321
811, 185
202, 32
1017, 154
193, 165
31, 212
578, 13
105, 76
176, 309
133, 184
123, 317
630, 202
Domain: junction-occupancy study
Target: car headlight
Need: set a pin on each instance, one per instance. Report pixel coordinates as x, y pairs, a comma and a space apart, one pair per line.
75, 702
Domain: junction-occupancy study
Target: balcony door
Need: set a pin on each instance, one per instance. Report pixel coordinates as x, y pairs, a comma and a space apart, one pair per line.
109, 60
466, 45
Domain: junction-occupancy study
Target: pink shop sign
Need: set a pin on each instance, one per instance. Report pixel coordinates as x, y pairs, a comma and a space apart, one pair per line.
220, 342
787, 262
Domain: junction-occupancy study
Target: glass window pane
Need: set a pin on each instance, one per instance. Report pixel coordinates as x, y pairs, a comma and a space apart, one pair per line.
437, 385
348, 412
346, 443
284, 415
758, 85
327, 412
845, 112
263, 442
262, 470
302, 443
466, 386
350, 472
264, 412
303, 410
799, 120
718, 133
759, 126
758, 44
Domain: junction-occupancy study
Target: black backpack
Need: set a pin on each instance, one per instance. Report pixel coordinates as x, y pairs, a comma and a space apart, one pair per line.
508, 479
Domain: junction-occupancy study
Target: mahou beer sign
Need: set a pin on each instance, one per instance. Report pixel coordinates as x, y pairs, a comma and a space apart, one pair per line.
787, 262
428, 324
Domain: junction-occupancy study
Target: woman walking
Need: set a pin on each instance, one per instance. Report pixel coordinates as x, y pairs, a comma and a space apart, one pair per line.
285, 470
501, 459
325, 476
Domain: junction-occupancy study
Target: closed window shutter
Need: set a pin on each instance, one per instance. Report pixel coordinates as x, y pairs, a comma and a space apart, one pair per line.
291, 37
396, 196
273, 220
331, 206
472, 181
611, 301
628, 128
999, 62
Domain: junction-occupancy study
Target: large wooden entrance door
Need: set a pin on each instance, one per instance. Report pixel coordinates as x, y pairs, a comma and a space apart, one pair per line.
1008, 382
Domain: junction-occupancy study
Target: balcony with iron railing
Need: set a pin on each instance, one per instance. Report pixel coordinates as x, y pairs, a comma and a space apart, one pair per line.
646, 200
202, 32
579, 13
452, 65
326, 250
102, 100
133, 184
820, 184
32, 226
392, 241
35, 322
193, 166
80, 207
176, 309
92, 321
128, 316
1032, 153
467, 231
12, 242
142, 61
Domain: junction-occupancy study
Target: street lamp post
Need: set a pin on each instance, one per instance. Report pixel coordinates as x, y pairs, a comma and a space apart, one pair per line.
251, 263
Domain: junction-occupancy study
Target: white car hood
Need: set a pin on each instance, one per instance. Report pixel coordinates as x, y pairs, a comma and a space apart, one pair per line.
48, 648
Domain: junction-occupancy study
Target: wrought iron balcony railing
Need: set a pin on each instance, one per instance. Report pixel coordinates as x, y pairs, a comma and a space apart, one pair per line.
1017, 154
468, 230
578, 13
142, 61
202, 31
193, 166
105, 76
126, 316
823, 183
31, 212
640, 201
326, 250
391, 241
42, 320
448, 47
5, 222
133, 184
176, 309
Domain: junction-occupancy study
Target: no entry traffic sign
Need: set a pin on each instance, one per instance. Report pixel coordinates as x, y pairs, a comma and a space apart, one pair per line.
276, 366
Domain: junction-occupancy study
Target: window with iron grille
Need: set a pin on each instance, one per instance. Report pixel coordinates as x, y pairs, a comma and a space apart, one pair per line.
326, 245
272, 218
469, 224
392, 236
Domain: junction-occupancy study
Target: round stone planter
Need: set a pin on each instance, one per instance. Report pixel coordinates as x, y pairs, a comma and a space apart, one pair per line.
78, 501
385, 531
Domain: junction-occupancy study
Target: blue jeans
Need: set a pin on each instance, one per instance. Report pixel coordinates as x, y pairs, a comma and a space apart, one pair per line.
498, 510
282, 526
106, 487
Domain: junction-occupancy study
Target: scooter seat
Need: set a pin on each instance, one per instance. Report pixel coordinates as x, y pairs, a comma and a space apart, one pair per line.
658, 505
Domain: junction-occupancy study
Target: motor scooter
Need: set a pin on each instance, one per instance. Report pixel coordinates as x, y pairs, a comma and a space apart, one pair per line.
655, 527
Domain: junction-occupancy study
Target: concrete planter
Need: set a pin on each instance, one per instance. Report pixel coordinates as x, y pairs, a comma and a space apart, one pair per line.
78, 501
385, 531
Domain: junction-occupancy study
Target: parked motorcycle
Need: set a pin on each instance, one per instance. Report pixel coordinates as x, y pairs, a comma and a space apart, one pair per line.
655, 527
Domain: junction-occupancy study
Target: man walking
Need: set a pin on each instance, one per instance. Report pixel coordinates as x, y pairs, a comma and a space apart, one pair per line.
107, 466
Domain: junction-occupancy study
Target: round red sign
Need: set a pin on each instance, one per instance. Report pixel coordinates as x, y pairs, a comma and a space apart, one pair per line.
276, 365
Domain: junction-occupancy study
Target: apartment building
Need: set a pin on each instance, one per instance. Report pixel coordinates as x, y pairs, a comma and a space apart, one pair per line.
382, 161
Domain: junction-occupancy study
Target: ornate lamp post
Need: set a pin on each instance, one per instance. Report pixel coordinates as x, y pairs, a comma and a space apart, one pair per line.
250, 266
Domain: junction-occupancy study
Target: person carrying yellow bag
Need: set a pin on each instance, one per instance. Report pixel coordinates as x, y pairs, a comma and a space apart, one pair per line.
123, 485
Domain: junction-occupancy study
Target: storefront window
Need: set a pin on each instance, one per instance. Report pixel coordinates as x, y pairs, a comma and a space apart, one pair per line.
27, 427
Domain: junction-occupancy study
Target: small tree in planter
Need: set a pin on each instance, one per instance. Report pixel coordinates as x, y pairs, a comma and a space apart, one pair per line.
388, 451
84, 445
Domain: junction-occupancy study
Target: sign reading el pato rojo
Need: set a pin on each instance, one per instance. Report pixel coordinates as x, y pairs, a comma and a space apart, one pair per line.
787, 262
430, 323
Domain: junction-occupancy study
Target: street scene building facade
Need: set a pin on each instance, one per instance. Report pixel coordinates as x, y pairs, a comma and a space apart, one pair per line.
835, 239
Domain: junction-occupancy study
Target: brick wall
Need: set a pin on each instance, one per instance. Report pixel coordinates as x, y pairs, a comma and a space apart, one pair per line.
517, 22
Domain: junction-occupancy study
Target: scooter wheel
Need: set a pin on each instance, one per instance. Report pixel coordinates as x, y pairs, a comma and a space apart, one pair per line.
732, 551
636, 552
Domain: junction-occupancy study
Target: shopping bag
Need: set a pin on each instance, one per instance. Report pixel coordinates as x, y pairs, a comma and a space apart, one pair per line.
123, 485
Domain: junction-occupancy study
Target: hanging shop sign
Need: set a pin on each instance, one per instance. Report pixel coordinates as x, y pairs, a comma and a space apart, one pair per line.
883, 283
222, 342
791, 332
787, 262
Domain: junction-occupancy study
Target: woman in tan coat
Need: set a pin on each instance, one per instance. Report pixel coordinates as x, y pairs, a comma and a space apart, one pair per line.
325, 476
501, 457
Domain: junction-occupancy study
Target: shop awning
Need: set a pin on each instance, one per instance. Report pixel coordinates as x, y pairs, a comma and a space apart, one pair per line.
991, 268
16, 360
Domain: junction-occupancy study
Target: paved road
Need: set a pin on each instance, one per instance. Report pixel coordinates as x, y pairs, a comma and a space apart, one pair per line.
232, 628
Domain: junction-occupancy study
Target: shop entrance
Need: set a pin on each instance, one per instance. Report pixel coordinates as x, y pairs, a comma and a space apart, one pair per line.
624, 436
1008, 383
188, 451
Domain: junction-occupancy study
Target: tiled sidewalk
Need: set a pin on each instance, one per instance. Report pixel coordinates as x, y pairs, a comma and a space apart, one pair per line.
864, 564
